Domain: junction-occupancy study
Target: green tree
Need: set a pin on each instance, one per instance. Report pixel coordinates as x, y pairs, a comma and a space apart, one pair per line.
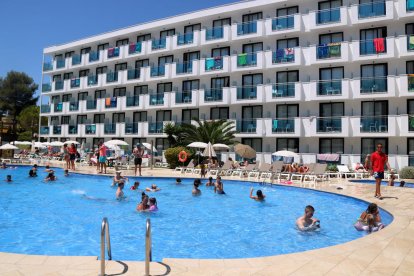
25, 136
174, 134
219, 131
17, 91
29, 119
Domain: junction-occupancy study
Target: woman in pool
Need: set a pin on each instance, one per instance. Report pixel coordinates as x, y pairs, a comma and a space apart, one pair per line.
153, 205
210, 182
259, 195
143, 205
51, 176
370, 220
119, 192
307, 222
33, 171
219, 187
48, 169
118, 178
153, 188
135, 187
196, 190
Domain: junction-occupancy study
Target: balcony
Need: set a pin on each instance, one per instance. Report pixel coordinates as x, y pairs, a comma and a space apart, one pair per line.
185, 39
57, 130
91, 104
283, 24
131, 128
184, 68
183, 97
215, 35
44, 130
46, 87
373, 47
377, 124
214, 97
328, 51
156, 99
247, 61
405, 8
72, 129
406, 125
374, 85
132, 101
329, 88
111, 102
113, 52
283, 58
157, 71
134, 74
60, 63
247, 93
405, 45
57, 107
92, 80
379, 48
159, 44
214, 65
45, 109
135, 48
329, 124
73, 106
373, 9
59, 85
283, 92
47, 66
75, 83
246, 126
283, 125
328, 16
94, 56
109, 128
247, 30
90, 129
76, 60
111, 77
406, 85
156, 128
372, 12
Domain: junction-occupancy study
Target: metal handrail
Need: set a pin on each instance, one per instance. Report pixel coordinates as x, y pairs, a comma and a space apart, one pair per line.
105, 232
148, 249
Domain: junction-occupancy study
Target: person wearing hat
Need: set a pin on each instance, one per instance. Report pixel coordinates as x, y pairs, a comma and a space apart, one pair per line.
119, 179
138, 153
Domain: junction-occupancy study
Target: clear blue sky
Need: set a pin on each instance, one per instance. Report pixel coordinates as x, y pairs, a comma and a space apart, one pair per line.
28, 26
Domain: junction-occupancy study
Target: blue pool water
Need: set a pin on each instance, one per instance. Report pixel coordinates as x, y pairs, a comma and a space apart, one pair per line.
383, 183
64, 218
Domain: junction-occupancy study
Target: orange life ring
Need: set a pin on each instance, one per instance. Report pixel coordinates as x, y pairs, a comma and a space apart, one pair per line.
182, 156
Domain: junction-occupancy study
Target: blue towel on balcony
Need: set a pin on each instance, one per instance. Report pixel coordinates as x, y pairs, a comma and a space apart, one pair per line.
218, 62
210, 64
410, 5
323, 51
110, 52
275, 123
116, 52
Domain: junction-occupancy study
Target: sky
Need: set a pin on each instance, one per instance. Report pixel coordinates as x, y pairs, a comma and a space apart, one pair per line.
28, 26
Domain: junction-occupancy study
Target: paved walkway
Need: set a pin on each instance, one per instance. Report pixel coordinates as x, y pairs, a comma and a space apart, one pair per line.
387, 252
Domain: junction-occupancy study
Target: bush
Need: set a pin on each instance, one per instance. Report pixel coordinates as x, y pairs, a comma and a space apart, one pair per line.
332, 168
407, 173
171, 155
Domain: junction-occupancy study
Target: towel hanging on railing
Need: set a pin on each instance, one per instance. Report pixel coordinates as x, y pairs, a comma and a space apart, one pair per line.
379, 45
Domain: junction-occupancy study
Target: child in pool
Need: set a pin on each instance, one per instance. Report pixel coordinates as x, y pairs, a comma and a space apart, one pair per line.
119, 192
135, 187
153, 204
153, 188
370, 220
196, 190
143, 205
51, 176
307, 222
259, 195
210, 182
391, 181
178, 181
9, 178
66, 172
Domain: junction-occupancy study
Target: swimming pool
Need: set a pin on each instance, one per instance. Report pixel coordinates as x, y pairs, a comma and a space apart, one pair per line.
383, 183
64, 218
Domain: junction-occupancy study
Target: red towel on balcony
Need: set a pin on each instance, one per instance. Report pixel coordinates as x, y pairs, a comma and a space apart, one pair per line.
379, 45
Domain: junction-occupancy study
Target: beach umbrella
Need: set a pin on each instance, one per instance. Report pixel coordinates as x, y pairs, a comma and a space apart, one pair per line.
209, 151
56, 144
116, 143
68, 142
148, 146
46, 144
26, 143
38, 145
285, 153
8, 147
198, 145
245, 151
221, 147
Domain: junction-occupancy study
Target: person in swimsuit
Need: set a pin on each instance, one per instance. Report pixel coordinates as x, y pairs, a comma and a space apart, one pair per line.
370, 219
51, 176
210, 182
66, 156
307, 222
259, 195
143, 205
33, 171
66, 173
48, 169
102, 158
219, 187
72, 154
138, 153
196, 191
135, 187
8, 178
378, 161
118, 179
153, 188
119, 192
178, 181
153, 205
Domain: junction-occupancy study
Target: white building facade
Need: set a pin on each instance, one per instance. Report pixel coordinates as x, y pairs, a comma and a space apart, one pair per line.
314, 77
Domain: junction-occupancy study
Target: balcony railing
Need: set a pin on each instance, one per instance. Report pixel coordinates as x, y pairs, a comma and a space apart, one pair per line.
283, 90
46, 87
109, 128
410, 5
283, 125
45, 109
158, 44
73, 106
158, 71
91, 104
112, 77
373, 46
58, 85
329, 124
328, 16
131, 128
374, 124
283, 23
156, 99
134, 73
410, 79
214, 63
73, 129
374, 85
283, 55
215, 33
329, 87
93, 56
57, 130
92, 80
75, 83
184, 39
246, 126
76, 60
246, 60
111, 102
60, 63
183, 97
247, 93
132, 101
214, 95
247, 28
47, 66
184, 68
44, 130
157, 127
58, 107
113, 52
135, 48
372, 9
331, 50
90, 129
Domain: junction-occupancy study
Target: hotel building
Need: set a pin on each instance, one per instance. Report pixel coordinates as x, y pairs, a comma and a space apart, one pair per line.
314, 77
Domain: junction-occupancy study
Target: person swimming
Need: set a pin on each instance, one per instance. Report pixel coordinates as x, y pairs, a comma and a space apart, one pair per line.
219, 187
33, 171
118, 178
143, 205
402, 183
4, 165
135, 186
178, 181
48, 169
9, 178
196, 190
307, 222
66, 173
153, 207
119, 192
259, 195
370, 220
51, 176
210, 182
153, 188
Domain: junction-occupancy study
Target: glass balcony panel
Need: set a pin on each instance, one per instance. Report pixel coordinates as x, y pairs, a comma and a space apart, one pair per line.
131, 128
57, 130
283, 23
158, 44
247, 28
91, 104
44, 130
331, 50
183, 39
60, 63
184, 68
214, 95
372, 9
135, 48
373, 46
410, 5
246, 126
410, 79
113, 52
328, 16
214, 33
92, 80
374, 85
47, 66
90, 129
283, 90
75, 83
46, 87
246, 93
283, 125
109, 128
112, 77
156, 99
76, 60
45, 109
410, 122
183, 97
158, 71
134, 73
283, 55
93, 56
73, 106
214, 63
58, 107
246, 60
329, 124
59, 85
330, 87
111, 102
374, 124
157, 127
132, 101
73, 129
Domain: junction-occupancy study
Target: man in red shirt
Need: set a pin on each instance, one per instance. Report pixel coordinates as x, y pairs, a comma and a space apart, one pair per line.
378, 162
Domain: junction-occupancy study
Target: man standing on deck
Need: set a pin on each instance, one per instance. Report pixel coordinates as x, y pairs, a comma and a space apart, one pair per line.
102, 158
378, 162
138, 154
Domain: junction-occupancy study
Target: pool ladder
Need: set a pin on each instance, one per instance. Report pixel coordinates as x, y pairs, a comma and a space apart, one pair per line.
105, 232
148, 247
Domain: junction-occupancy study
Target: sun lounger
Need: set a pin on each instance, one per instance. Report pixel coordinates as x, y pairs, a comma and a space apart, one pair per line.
226, 169
277, 168
319, 173
265, 171
300, 176
183, 169
344, 171
254, 171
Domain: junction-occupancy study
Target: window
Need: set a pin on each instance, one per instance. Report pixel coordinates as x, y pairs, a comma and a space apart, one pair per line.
81, 141
286, 111
287, 77
374, 78
332, 73
371, 8
330, 81
163, 115
252, 47
118, 118
65, 120
83, 73
138, 140
54, 120
142, 38
288, 43
189, 114
164, 60
331, 38
331, 109
66, 97
219, 113
252, 112
410, 67
374, 117
98, 118
85, 50
252, 80
287, 11
140, 116
369, 145
81, 119
367, 36
255, 143
82, 96
374, 108
290, 144
284, 18
101, 70
410, 151
57, 77
191, 28
142, 63
103, 46
68, 76
162, 144
122, 42
221, 22
331, 145
189, 57
120, 92
100, 94
140, 90
252, 17
164, 87
164, 34
121, 66
190, 85
219, 83
69, 54
409, 29
55, 99
220, 52
328, 11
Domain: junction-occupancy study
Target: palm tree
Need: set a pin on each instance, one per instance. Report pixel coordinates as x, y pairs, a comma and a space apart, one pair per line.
173, 134
219, 131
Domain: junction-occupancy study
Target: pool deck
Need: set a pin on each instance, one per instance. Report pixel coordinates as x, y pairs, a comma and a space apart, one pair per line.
387, 252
